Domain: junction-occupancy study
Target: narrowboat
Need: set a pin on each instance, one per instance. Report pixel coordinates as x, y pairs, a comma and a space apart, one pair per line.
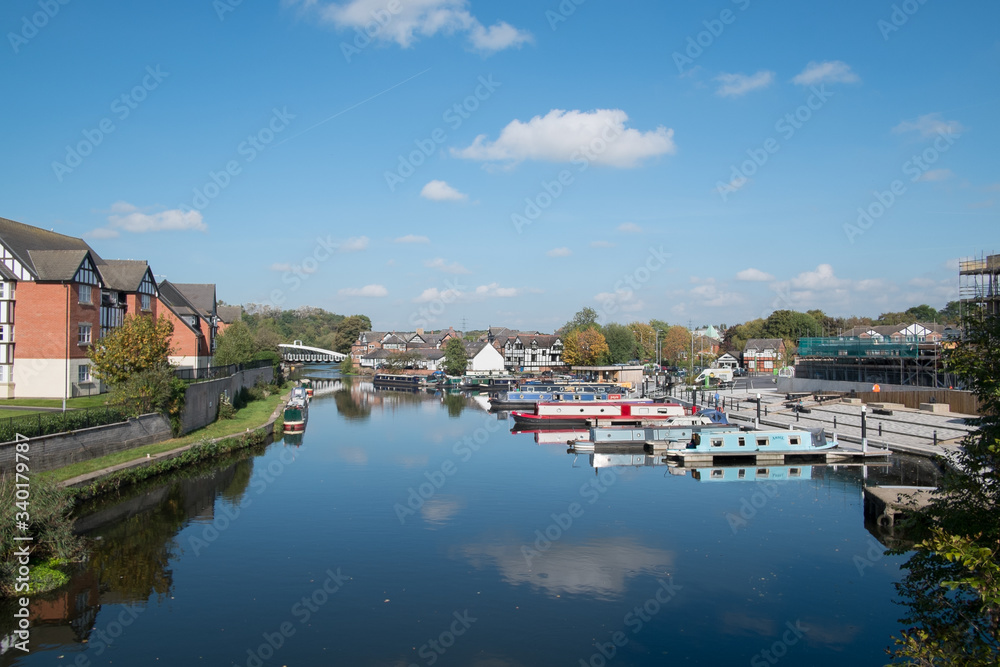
561, 414
389, 380
296, 412
751, 442
528, 396
751, 473
307, 384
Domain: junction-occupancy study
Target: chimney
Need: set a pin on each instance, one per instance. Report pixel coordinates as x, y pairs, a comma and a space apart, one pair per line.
420, 331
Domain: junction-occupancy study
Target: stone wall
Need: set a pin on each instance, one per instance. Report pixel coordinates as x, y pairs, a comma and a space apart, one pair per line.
61, 449
201, 404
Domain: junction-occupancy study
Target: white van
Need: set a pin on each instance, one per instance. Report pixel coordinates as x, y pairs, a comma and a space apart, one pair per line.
714, 375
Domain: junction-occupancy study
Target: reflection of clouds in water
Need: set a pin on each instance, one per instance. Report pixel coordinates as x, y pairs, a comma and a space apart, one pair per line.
413, 461
598, 568
741, 623
438, 511
355, 455
825, 633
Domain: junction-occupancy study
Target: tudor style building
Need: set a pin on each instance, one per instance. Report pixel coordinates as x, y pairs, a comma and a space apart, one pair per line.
57, 297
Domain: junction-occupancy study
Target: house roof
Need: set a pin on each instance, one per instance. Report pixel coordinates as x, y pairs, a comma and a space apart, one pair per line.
57, 264
199, 295
22, 239
124, 275
178, 304
764, 344
541, 340
229, 314
735, 354
889, 330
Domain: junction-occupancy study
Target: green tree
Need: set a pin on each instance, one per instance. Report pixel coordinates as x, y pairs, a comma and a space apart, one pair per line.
140, 343
152, 390
952, 587
267, 337
348, 331
398, 360
455, 357
922, 313
645, 340
621, 343
235, 345
585, 318
951, 313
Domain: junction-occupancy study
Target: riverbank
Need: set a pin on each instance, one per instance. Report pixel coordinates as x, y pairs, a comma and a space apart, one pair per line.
252, 425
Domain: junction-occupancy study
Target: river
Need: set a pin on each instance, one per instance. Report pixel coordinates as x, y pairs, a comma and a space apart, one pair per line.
416, 529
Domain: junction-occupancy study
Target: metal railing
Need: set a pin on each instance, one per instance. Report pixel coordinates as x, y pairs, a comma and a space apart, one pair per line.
216, 372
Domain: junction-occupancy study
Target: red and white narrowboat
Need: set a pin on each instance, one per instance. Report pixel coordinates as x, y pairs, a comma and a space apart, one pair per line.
565, 414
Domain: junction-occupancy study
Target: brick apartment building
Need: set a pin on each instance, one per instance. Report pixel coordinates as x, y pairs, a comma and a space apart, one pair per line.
58, 296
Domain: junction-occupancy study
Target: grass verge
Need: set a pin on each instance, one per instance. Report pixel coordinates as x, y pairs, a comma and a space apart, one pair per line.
94, 401
250, 417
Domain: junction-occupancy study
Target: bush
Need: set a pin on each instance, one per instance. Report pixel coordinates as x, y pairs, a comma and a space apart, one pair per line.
152, 390
47, 423
226, 409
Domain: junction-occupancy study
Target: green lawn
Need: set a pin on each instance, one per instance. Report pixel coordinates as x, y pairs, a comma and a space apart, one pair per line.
82, 402
7, 414
250, 417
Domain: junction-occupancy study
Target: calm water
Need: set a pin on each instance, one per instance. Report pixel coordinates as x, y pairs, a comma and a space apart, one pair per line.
410, 529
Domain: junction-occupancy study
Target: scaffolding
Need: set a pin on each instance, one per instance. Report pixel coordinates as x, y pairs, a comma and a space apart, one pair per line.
979, 285
908, 362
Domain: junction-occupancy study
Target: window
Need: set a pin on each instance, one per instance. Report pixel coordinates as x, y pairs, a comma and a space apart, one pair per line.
717, 442
3, 290
144, 301
83, 334
794, 440
742, 473
85, 296
763, 472
743, 441
794, 472
83, 373
762, 442
3, 333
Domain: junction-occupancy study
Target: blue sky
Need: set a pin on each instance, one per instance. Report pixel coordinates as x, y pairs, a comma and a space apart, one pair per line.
510, 163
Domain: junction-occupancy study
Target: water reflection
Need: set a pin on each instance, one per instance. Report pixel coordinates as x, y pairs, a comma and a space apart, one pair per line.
599, 568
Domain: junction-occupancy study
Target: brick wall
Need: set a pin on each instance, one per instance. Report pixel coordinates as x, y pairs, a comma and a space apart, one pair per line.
185, 343
40, 327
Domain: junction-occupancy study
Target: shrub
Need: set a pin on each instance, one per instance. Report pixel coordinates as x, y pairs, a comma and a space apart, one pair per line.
226, 409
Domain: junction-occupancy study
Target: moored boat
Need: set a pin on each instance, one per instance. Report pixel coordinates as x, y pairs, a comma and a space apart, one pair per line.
722, 443
562, 414
296, 411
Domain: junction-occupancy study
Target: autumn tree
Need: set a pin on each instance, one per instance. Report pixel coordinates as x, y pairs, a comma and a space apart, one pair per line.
139, 344
675, 343
571, 349
593, 346
585, 318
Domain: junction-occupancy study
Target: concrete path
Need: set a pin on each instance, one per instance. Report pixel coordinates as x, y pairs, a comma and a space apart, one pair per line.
906, 430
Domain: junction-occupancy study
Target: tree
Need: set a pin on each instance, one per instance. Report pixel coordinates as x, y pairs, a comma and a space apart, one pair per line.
455, 357
645, 340
951, 313
592, 346
675, 344
585, 318
140, 343
621, 343
348, 331
952, 587
571, 355
267, 337
922, 313
398, 360
235, 345
154, 389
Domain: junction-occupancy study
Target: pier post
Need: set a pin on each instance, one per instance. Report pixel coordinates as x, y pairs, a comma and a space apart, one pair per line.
756, 423
935, 437
835, 422
864, 428
880, 429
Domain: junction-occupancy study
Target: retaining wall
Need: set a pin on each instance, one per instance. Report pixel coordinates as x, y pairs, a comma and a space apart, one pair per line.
961, 402
60, 449
201, 403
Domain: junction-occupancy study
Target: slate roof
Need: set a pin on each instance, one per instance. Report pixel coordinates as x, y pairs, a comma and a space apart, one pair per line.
199, 295
22, 239
229, 314
57, 264
173, 299
124, 275
764, 344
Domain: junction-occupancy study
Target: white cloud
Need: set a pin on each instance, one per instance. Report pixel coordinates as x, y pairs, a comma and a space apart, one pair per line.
354, 244
822, 278
929, 125
602, 244
752, 275
629, 228
559, 252
414, 19
441, 191
830, 71
434, 294
440, 265
494, 290
599, 136
936, 175
128, 218
412, 238
710, 295
734, 85
366, 291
